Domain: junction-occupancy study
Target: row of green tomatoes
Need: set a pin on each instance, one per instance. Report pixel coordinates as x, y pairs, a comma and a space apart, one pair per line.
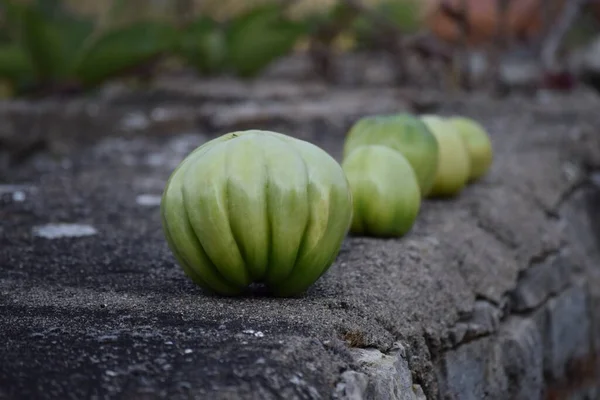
262, 207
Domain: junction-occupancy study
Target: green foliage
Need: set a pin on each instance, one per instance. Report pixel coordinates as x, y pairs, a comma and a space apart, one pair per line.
400, 13
43, 45
258, 37
120, 50
15, 66
245, 45
203, 44
43, 40
46, 46
326, 25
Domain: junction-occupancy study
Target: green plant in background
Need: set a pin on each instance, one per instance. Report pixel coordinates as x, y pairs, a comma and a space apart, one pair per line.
203, 45
260, 36
120, 50
403, 15
326, 25
46, 46
244, 45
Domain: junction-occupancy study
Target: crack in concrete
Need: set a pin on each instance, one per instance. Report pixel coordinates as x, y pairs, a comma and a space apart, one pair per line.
567, 195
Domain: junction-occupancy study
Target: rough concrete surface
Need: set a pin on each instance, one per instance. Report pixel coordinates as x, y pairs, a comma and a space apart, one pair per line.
492, 295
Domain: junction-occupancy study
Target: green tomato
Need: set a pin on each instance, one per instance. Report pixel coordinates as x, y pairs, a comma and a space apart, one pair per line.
405, 133
453, 167
478, 145
385, 191
256, 206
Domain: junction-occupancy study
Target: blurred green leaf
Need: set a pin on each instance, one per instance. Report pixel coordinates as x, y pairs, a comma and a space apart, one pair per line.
75, 34
203, 45
117, 7
122, 49
329, 17
47, 34
50, 8
12, 13
43, 36
258, 37
43, 40
14, 64
4, 34
403, 13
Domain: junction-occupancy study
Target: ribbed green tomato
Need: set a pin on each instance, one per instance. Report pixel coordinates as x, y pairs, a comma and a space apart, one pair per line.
405, 133
478, 145
453, 165
385, 191
256, 206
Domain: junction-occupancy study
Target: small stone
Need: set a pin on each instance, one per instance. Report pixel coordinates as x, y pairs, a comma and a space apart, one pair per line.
148, 200
155, 160
107, 338
56, 231
160, 114
296, 380
188, 351
66, 163
571, 171
135, 121
18, 196
352, 386
110, 373
4, 189
390, 373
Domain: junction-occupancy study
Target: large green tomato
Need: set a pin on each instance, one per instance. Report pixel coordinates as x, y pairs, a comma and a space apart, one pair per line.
256, 206
478, 145
453, 165
385, 191
405, 133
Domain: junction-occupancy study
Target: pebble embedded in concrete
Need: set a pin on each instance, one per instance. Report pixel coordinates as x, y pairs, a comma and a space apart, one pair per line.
57, 231
18, 196
148, 200
253, 333
135, 121
17, 192
161, 114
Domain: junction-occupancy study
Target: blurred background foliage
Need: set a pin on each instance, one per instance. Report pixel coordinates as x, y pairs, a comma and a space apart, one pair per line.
49, 46
74, 45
